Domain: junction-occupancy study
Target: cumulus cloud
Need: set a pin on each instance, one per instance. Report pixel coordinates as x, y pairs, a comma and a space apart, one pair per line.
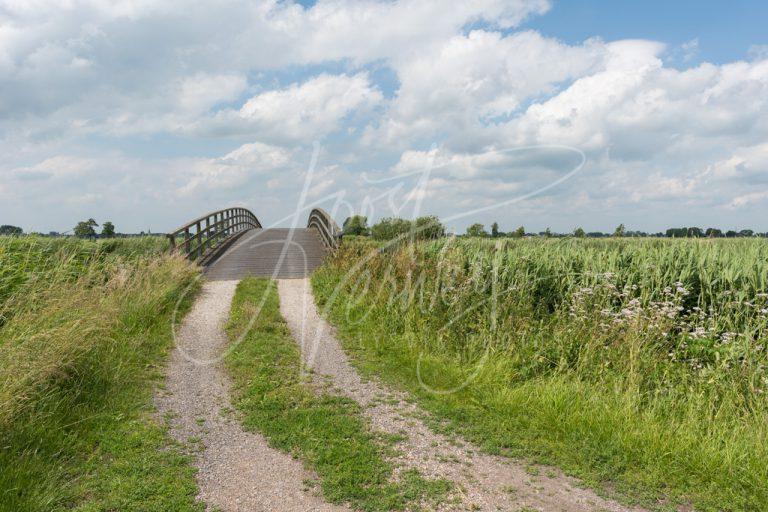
236, 168
476, 80
300, 112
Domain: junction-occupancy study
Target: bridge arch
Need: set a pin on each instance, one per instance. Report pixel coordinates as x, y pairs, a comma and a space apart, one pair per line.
231, 244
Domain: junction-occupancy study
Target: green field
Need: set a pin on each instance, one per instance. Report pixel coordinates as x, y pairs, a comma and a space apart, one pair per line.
639, 365
85, 325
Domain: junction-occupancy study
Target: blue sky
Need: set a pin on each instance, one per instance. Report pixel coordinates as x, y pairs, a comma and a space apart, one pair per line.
527, 112
725, 30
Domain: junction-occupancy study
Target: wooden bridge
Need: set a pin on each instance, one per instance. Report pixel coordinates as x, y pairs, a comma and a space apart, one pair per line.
231, 244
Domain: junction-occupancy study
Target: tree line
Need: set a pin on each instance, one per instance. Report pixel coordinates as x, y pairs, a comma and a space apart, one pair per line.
429, 227
83, 229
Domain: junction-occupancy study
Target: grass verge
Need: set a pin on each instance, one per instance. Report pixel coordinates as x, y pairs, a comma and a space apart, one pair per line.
78, 368
328, 432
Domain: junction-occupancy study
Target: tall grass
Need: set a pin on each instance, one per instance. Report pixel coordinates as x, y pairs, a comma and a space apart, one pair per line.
639, 362
87, 323
31, 264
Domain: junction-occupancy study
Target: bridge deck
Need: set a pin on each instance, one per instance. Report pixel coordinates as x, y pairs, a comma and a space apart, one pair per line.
279, 253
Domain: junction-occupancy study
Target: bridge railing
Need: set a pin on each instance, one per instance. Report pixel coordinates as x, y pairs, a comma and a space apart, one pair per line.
199, 239
330, 234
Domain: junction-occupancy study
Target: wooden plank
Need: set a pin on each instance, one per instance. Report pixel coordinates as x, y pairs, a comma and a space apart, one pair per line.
259, 254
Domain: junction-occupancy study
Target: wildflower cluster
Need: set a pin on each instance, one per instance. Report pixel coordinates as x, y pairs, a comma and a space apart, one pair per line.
698, 336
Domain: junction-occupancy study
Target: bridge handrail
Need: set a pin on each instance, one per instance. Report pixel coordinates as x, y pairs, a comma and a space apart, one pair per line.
330, 234
211, 231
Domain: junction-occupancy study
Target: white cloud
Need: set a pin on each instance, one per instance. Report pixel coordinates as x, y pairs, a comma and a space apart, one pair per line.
477, 78
305, 111
370, 30
236, 168
200, 92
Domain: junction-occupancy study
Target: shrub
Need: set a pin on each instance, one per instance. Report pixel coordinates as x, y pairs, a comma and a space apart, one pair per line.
427, 227
356, 225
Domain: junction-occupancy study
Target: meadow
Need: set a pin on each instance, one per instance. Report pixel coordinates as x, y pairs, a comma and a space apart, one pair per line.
639, 365
85, 327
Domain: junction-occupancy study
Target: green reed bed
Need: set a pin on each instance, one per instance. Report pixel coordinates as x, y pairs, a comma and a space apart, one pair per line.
636, 364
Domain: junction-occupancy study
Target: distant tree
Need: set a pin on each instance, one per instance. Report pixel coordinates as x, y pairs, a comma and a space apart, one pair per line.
677, 232
692, 232
579, 233
547, 233
85, 228
477, 229
107, 230
746, 232
519, 232
429, 227
390, 228
495, 230
8, 230
356, 225
713, 233
620, 230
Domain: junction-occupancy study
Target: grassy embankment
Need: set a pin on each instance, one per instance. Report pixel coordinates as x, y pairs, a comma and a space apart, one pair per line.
84, 326
639, 365
326, 431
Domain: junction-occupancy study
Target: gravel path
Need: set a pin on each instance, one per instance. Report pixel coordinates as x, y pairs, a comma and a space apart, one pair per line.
484, 482
238, 471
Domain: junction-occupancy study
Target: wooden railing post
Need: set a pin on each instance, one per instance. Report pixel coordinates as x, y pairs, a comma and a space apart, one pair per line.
211, 231
216, 229
207, 234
